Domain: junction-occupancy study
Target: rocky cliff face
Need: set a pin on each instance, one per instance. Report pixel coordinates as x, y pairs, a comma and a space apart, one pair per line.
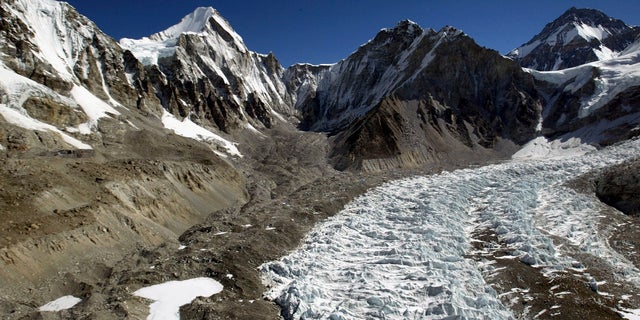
60, 75
412, 96
201, 68
577, 37
597, 102
51, 44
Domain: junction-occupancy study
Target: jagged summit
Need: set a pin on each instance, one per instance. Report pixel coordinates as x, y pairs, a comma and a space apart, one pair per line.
200, 21
411, 29
205, 21
591, 16
195, 22
233, 85
577, 37
405, 25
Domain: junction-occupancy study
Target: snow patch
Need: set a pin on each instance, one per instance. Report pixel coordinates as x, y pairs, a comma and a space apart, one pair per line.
604, 53
589, 33
93, 106
631, 314
169, 296
62, 303
254, 130
24, 121
19, 89
189, 129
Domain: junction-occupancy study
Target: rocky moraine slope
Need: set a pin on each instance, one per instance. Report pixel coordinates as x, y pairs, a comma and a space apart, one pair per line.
113, 154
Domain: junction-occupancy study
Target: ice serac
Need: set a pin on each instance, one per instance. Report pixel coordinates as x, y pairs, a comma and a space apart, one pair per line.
577, 37
201, 68
412, 96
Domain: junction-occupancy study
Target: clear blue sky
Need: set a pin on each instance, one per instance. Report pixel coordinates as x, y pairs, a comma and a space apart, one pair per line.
325, 31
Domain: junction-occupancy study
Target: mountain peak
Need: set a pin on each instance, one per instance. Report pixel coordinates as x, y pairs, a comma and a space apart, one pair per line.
589, 17
195, 22
406, 23
578, 36
205, 21
404, 27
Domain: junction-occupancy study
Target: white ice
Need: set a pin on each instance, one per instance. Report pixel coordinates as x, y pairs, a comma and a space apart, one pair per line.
169, 296
24, 121
541, 148
402, 250
62, 303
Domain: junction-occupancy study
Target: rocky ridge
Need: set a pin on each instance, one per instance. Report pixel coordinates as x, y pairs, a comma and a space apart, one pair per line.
596, 102
577, 37
412, 96
201, 68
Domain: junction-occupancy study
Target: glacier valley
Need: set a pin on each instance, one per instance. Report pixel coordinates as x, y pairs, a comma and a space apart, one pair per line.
405, 250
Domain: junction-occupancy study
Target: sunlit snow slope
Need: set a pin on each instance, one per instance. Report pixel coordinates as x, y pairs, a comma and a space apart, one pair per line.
402, 251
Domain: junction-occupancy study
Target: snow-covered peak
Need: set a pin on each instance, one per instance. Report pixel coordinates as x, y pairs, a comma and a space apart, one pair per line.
587, 24
201, 21
577, 37
204, 21
195, 22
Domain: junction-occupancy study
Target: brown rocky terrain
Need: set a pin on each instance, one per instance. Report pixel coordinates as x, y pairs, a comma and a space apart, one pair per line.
73, 214
101, 224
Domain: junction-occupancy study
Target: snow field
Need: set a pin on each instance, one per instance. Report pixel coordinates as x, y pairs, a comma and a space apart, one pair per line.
615, 75
189, 129
169, 296
400, 251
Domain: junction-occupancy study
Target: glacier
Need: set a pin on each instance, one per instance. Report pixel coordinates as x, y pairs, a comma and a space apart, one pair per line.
404, 250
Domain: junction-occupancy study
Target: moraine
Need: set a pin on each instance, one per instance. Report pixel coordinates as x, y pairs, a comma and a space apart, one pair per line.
405, 250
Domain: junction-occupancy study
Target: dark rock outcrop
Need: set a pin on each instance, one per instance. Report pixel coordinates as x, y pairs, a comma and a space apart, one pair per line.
619, 187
